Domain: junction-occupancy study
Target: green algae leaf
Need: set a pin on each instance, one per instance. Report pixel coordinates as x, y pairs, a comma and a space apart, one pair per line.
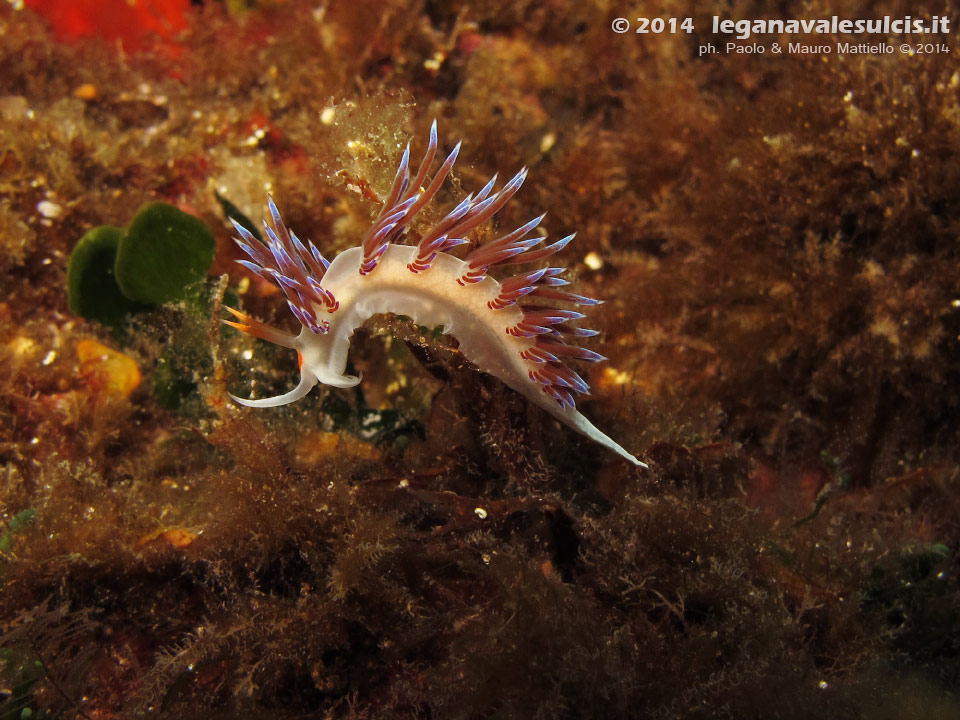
92, 289
941, 549
22, 519
163, 252
18, 522
232, 212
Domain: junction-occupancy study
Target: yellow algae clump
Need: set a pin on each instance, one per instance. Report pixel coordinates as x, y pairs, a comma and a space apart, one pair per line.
106, 371
179, 538
316, 446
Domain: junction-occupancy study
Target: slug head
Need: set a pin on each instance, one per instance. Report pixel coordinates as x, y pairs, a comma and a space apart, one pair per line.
313, 352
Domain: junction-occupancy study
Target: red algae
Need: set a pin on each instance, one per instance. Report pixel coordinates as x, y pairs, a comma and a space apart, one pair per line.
127, 23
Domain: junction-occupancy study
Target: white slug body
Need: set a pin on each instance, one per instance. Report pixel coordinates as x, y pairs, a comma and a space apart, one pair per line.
518, 344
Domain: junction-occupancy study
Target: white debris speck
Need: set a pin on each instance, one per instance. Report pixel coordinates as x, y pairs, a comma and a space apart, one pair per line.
433, 64
49, 209
593, 261
547, 142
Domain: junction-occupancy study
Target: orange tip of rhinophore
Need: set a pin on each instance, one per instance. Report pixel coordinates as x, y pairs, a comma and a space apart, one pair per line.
235, 313
239, 326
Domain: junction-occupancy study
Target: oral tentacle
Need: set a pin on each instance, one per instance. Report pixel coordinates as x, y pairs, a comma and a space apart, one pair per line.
307, 381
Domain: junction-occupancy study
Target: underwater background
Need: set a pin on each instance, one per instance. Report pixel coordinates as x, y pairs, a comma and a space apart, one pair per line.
774, 236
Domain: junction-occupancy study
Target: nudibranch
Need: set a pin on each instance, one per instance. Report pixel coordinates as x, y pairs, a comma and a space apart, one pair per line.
504, 327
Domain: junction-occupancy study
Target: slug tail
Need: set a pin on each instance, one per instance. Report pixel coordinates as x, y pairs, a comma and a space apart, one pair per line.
590, 430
